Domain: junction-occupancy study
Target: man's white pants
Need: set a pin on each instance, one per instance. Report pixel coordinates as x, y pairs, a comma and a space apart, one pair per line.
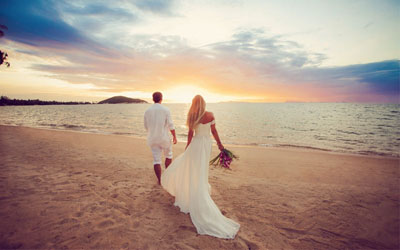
157, 153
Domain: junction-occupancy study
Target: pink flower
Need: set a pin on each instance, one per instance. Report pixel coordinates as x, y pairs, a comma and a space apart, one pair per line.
224, 159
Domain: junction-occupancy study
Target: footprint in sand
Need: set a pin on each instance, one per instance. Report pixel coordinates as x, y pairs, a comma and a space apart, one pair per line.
249, 244
187, 228
68, 220
79, 214
91, 236
105, 224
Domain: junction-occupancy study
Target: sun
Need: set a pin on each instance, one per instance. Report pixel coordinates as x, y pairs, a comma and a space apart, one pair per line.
185, 93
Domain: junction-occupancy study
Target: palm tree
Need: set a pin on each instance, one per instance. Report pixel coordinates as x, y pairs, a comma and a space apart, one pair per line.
3, 54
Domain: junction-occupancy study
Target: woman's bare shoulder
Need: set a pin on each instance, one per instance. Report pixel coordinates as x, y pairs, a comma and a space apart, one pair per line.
210, 116
207, 117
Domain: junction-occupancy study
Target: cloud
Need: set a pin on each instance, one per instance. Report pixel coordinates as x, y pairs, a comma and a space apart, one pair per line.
368, 25
98, 19
60, 24
262, 51
37, 23
155, 6
381, 77
97, 9
377, 77
125, 69
279, 60
57, 28
251, 61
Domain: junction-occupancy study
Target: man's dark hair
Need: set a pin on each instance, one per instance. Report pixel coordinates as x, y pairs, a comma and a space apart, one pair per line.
157, 96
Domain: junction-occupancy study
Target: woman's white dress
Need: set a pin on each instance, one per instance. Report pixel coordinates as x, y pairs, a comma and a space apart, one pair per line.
187, 179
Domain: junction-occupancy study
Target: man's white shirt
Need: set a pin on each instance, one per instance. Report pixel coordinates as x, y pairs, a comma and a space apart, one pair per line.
158, 123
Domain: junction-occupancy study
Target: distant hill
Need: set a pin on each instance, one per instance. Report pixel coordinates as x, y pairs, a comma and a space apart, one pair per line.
121, 99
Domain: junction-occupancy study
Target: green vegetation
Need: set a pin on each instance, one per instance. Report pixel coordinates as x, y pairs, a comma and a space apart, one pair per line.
3, 54
5, 101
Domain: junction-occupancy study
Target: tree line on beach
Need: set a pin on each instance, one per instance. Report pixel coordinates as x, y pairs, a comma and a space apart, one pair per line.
5, 101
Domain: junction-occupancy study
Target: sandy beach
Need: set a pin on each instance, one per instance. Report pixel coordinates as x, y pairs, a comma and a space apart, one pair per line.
61, 189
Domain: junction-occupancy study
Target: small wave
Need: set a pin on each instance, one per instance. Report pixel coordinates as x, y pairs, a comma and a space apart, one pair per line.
123, 133
48, 125
346, 148
348, 132
355, 141
8, 124
370, 152
244, 144
92, 130
350, 143
386, 119
300, 146
322, 138
71, 126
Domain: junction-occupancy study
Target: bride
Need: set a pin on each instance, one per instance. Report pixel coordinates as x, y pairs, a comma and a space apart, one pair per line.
187, 177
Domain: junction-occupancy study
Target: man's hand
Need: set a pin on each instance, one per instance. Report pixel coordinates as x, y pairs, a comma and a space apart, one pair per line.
174, 136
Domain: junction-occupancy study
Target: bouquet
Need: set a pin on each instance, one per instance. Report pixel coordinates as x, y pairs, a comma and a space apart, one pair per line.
224, 159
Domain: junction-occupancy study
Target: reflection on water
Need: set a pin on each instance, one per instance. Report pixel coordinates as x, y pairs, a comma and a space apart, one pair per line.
343, 127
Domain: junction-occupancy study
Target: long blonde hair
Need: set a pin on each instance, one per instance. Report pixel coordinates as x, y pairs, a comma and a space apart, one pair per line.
196, 112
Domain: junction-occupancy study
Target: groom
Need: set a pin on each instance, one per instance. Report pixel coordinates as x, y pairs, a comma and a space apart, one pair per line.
158, 123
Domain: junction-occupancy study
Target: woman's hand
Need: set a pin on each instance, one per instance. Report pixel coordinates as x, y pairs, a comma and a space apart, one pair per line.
220, 146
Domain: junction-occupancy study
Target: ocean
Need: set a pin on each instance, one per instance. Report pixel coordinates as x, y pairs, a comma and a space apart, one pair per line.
367, 129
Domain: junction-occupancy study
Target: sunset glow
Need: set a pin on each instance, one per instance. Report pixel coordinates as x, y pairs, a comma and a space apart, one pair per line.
185, 94
253, 51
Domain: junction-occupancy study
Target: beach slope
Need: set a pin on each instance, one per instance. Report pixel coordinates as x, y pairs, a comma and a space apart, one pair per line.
61, 189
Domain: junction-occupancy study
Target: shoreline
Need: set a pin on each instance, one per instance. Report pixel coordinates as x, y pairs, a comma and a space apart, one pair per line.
61, 189
283, 147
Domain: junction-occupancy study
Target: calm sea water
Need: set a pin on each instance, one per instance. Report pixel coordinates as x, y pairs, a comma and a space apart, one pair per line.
372, 129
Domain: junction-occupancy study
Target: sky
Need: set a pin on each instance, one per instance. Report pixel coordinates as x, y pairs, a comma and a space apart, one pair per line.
225, 50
